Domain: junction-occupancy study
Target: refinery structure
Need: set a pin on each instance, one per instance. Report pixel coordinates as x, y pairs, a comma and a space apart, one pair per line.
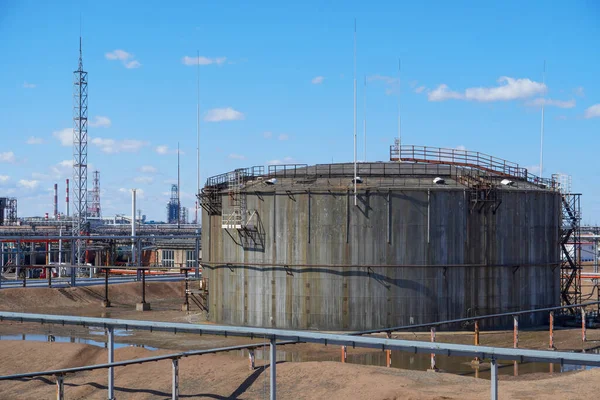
429, 238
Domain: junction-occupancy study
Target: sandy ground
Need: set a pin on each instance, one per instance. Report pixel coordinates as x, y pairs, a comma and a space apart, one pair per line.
228, 377
318, 376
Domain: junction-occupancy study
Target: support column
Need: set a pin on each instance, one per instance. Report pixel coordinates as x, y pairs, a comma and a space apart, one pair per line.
18, 260
73, 268
60, 387
175, 389
494, 379
583, 332
111, 359
344, 353
106, 301
516, 342
186, 301
49, 276
273, 367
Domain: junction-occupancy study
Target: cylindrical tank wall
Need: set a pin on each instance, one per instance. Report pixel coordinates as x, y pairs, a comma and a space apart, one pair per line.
398, 257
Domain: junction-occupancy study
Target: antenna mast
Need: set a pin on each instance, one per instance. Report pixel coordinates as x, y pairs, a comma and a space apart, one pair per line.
355, 202
198, 134
542, 129
178, 191
399, 117
365, 120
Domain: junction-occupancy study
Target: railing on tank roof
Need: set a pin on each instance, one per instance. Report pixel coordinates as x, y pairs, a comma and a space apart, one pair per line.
288, 170
466, 158
245, 173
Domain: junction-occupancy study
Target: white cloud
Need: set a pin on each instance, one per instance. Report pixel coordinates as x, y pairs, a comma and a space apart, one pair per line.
100, 122
162, 149
420, 89
59, 170
35, 140
65, 136
223, 114
267, 135
285, 160
388, 80
28, 184
283, 136
7, 157
203, 60
317, 80
144, 179
4, 178
550, 102
237, 156
148, 169
126, 58
509, 89
117, 146
593, 111
27, 85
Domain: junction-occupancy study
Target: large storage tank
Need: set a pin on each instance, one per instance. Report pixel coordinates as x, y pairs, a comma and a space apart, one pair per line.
292, 247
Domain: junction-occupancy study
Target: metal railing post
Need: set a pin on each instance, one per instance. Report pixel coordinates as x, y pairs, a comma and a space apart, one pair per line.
60, 387
515, 331
111, 359
251, 359
197, 248
388, 353
273, 367
344, 353
476, 360
494, 379
433, 366
175, 389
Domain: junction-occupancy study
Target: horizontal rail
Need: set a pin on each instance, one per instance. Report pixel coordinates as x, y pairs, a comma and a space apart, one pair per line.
124, 363
449, 349
213, 264
474, 318
99, 237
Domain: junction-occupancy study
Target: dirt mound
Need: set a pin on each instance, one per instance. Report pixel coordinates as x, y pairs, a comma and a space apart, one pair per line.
227, 376
23, 299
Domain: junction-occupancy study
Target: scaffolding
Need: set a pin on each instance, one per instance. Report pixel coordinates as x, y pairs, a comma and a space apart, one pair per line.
8, 211
570, 243
94, 210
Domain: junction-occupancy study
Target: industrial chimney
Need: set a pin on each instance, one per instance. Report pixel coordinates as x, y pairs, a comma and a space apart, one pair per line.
67, 199
55, 200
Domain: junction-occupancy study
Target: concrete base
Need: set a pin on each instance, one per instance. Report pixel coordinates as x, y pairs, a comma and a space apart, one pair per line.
185, 307
142, 307
433, 370
105, 303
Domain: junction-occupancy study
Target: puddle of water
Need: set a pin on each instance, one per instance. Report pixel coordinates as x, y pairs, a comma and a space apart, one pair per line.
69, 339
422, 362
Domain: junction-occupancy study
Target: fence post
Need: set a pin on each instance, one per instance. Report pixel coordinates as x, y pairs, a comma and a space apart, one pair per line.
175, 389
251, 359
494, 371
551, 344
60, 387
111, 359
476, 360
388, 353
433, 367
273, 366
344, 353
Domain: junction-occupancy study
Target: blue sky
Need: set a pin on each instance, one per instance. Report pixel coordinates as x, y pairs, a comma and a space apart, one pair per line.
277, 86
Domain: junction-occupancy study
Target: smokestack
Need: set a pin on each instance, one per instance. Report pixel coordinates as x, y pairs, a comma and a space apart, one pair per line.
133, 260
67, 199
46, 217
55, 200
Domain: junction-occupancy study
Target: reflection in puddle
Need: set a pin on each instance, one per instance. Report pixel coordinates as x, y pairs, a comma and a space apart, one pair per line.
69, 339
421, 362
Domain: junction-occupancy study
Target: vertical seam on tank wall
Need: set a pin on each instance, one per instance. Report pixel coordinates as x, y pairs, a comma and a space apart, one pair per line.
389, 217
309, 216
428, 215
347, 216
274, 216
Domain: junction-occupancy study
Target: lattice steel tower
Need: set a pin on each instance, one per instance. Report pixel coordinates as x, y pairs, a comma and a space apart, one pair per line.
80, 121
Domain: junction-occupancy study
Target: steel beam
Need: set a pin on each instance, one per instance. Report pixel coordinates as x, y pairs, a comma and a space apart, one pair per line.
111, 359
175, 389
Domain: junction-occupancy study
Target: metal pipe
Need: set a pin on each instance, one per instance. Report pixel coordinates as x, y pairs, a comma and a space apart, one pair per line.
273, 367
197, 249
143, 286
433, 366
251, 359
551, 344
175, 389
515, 331
133, 226
111, 359
67, 199
494, 379
55, 213
60, 387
